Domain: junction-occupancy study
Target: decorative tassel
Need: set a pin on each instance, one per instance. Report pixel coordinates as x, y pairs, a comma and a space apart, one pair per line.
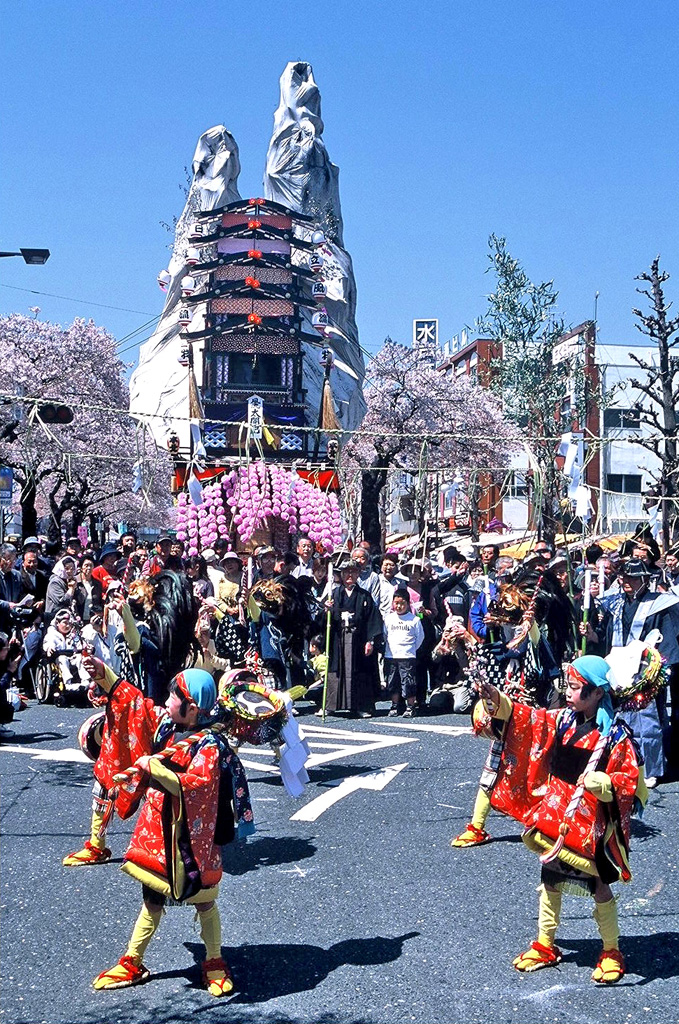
328, 417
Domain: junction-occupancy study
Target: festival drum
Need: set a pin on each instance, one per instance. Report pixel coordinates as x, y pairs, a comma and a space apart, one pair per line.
90, 734
255, 714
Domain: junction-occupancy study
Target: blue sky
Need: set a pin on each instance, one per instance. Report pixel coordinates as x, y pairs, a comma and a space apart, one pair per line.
552, 123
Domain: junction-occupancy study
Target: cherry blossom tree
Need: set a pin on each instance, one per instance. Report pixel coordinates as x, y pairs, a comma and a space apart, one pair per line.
85, 468
419, 420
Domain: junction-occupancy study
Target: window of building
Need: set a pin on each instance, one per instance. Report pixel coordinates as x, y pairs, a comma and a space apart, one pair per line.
624, 483
254, 370
614, 419
517, 487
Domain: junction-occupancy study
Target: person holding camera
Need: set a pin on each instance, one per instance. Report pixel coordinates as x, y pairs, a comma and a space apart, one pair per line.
11, 651
14, 600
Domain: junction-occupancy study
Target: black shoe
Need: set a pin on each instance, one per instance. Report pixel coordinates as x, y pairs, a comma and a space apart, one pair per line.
394, 711
410, 712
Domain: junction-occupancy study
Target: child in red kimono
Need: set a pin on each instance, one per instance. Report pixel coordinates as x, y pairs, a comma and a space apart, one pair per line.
134, 726
191, 801
547, 756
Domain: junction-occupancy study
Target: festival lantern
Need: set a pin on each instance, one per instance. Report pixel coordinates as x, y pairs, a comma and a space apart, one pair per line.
192, 256
315, 263
320, 321
188, 285
318, 238
318, 291
185, 316
183, 358
163, 279
196, 231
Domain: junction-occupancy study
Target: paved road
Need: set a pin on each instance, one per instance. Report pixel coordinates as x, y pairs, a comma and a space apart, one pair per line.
364, 914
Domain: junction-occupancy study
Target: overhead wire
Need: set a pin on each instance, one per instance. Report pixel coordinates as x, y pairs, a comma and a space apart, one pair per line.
70, 298
8, 397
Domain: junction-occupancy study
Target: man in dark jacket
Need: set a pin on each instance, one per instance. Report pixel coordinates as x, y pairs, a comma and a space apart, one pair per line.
12, 589
356, 624
33, 580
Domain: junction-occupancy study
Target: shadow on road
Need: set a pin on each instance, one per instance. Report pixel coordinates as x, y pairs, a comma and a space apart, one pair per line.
67, 774
641, 830
653, 957
240, 857
264, 972
35, 737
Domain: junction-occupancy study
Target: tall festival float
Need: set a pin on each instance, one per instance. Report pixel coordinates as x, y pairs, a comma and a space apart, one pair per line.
257, 342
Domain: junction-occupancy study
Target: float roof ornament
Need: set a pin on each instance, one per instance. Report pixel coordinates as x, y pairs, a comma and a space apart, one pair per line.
300, 175
299, 172
160, 386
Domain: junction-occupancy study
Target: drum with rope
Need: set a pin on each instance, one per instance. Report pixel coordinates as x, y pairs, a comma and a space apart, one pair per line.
253, 713
90, 734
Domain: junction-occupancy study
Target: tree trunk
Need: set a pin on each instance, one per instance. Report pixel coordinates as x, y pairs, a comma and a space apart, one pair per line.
474, 494
551, 519
372, 482
29, 515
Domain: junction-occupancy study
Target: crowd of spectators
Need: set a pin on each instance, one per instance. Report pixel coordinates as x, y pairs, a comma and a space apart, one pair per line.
402, 629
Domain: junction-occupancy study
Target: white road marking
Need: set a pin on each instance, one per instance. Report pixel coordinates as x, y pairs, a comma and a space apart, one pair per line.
343, 787
327, 744
65, 754
445, 730
342, 743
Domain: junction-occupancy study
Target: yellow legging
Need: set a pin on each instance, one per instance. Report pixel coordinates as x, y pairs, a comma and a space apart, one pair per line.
99, 842
147, 923
481, 809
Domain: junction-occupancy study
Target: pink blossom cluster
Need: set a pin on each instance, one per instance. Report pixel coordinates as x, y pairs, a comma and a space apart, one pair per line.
251, 498
201, 525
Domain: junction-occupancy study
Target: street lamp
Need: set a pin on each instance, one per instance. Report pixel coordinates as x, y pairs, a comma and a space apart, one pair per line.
31, 256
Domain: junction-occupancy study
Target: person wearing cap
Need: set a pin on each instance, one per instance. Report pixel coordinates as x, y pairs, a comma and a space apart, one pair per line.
227, 577
74, 547
180, 805
33, 580
215, 573
59, 636
637, 613
265, 556
33, 544
105, 569
156, 562
547, 756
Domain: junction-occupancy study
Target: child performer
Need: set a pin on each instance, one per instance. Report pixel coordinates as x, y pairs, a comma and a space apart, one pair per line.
134, 725
571, 777
192, 797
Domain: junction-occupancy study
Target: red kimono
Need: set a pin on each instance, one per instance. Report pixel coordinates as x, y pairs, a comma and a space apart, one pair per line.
134, 726
191, 805
544, 754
